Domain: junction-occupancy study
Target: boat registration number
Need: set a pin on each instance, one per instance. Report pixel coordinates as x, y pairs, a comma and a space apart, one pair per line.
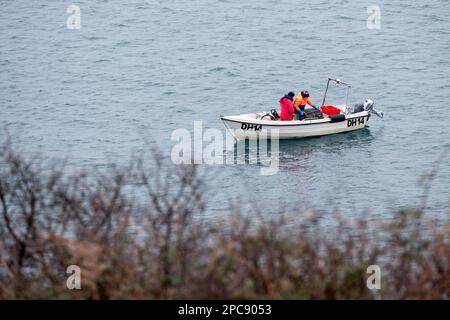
355, 121
251, 126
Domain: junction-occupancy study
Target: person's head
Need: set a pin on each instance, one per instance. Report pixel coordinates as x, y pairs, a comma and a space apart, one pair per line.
290, 95
304, 94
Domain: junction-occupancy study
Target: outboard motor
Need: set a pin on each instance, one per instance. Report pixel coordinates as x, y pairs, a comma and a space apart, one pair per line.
358, 108
367, 106
275, 114
272, 115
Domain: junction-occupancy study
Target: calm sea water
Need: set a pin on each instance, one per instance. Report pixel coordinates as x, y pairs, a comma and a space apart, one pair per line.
137, 70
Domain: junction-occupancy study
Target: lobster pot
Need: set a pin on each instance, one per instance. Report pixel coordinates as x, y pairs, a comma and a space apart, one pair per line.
312, 114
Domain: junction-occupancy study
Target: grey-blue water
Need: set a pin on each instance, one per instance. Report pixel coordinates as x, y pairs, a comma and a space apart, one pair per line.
137, 70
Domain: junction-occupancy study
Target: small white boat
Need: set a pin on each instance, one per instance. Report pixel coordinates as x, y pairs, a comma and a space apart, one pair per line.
267, 125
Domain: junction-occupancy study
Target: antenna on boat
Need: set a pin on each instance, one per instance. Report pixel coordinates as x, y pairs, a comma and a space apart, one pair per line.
337, 82
326, 90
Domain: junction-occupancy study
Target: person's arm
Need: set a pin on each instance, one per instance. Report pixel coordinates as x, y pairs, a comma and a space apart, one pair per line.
291, 107
311, 104
296, 104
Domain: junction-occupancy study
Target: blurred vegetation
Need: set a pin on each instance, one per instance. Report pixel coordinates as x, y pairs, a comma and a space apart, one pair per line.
137, 233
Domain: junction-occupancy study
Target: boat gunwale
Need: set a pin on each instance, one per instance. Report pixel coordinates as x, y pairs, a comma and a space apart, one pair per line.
299, 122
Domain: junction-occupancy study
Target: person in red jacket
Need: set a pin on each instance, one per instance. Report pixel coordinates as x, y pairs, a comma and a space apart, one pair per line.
287, 107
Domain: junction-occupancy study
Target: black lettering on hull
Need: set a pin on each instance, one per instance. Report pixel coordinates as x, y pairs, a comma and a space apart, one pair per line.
356, 121
251, 127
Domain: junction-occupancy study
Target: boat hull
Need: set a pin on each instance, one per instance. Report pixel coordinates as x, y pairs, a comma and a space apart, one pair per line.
244, 127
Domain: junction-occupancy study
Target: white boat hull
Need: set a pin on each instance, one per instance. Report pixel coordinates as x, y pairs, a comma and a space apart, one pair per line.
247, 126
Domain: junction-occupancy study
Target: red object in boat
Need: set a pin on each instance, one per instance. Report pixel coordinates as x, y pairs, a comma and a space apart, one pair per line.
330, 110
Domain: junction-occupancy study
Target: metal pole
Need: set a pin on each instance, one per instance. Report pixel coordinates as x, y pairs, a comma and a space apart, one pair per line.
346, 99
326, 90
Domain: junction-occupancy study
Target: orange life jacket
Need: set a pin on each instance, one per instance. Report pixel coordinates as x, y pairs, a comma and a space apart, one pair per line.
300, 101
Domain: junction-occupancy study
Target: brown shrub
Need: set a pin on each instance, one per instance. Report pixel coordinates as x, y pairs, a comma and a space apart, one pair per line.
137, 232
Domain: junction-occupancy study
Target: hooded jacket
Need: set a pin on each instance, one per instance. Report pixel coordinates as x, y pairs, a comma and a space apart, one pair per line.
287, 109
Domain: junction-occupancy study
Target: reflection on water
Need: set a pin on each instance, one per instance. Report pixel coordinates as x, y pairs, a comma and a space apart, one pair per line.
339, 141
311, 170
293, 150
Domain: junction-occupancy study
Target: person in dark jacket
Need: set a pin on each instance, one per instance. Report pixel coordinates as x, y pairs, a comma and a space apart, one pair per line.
287, 107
